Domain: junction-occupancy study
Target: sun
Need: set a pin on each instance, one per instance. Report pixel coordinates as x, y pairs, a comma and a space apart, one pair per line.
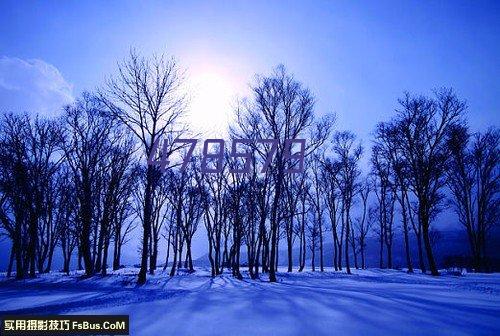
212, 94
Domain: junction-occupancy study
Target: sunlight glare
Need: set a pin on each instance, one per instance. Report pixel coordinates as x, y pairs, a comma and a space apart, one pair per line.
211, 98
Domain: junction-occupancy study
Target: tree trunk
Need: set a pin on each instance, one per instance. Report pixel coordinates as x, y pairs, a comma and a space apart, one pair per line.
17, 246
407, 242
302, 256
389, 255
11, 261
181, 248
168, 250
210, 257
300, 252
354, 252
154, 256
31, 252
289, 253
428, 247
347, 228
274, 227
174, 263
321, 265
66, 263
335, 248
146, 224
257, 257
265, 255
420, 251
49, 259
362, 250
116, 255
313, 257
190, 257
104, 264
80, 257
381, 250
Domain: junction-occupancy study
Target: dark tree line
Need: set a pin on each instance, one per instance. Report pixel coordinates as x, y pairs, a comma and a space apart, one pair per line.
473, 179
65, 182
81, 183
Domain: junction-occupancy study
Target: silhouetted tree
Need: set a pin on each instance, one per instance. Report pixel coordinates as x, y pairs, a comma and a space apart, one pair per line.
146, 96
387, 147
87, 147
348, 153
385, 193
281, 108
29, 163
422, 127
363, 223
474, 180
317, 202
334, 203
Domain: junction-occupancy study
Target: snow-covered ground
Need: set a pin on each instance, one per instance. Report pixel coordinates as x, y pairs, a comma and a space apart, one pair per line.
370, 302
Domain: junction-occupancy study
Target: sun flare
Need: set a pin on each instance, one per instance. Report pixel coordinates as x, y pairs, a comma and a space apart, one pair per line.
211, 97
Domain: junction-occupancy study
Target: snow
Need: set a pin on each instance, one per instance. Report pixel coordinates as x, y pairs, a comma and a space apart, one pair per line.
373, 302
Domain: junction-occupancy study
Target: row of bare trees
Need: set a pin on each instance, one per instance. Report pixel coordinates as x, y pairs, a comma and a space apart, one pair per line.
81, 183
423, 160
65, 183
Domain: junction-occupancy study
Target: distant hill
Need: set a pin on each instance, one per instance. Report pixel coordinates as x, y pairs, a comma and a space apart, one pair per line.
451, 243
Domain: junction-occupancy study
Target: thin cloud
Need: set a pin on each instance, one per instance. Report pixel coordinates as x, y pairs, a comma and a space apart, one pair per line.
33, 86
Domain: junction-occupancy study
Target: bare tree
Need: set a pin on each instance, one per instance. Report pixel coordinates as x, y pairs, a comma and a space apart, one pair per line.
124, 219
147, 97
213, 202
28, 167
281, 108
302, 221
66, 215
87, 146
385, 193
192, 212
317, 202
387, 148
15, 187
422, 127
43, 138
313, 236
348, 153
474, 181
363, 223
333, 202
118, 180
293, 225
177, 186
255, 204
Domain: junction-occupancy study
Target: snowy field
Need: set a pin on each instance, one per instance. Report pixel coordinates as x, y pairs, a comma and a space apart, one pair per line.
371, 302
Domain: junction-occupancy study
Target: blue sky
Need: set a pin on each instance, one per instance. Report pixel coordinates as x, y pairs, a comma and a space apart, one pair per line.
357, 57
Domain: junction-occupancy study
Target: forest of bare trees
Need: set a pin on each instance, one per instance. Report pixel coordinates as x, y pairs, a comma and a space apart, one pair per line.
81, 186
